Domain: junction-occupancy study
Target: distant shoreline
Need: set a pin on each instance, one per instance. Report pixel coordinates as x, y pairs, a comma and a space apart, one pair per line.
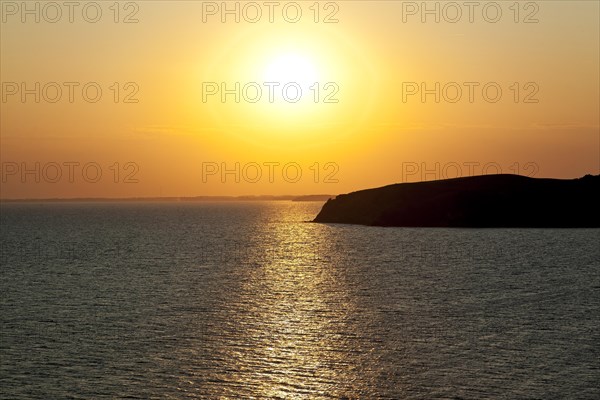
315, 197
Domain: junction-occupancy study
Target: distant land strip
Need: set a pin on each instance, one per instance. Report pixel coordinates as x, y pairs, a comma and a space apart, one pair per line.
312, 197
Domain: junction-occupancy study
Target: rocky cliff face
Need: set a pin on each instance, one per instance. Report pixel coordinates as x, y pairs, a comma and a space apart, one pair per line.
479, 201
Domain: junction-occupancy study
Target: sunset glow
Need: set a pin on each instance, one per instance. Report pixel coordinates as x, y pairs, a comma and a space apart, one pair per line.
382, 91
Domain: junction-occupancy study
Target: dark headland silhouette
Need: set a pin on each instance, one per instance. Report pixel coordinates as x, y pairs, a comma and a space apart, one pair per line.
477, 201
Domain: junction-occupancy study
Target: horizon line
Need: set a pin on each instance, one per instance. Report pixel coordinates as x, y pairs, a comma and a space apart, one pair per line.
306, 197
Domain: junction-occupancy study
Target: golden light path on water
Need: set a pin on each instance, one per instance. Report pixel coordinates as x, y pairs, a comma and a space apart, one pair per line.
295, 313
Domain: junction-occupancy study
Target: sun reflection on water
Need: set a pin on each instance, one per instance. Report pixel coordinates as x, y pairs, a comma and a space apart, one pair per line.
294, 309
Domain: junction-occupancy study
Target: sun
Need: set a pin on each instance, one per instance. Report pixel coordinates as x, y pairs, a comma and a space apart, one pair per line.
291, 68
330, 103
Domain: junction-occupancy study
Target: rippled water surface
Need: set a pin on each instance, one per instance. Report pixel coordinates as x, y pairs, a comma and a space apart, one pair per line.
246, 300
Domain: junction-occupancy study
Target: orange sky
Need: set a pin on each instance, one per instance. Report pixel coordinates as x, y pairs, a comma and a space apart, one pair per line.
162, 127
